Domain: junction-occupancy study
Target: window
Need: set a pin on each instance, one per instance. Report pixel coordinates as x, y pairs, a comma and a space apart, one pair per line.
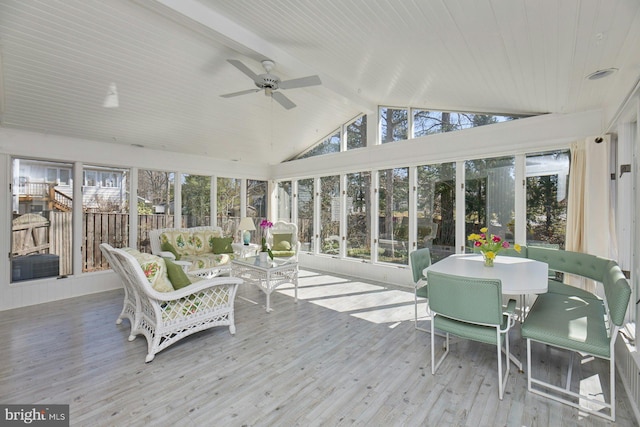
359, 215
256, 198
490, 197
547, 184
52, 175
196, 200
156, 192
330, 144
394, 124
284, 201
330, 215
256, 203
357, 133
436, 198
89, 178
393, 205
305, 214
427, 122
105, 217
228, 199
109, 179
41, 221
64, 176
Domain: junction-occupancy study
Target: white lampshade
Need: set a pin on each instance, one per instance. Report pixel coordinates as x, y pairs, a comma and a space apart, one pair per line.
246, 224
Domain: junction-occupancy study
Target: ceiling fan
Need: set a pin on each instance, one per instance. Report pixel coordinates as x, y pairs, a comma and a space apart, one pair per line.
271, 83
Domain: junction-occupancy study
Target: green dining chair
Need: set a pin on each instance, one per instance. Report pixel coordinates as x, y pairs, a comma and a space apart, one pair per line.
419, 260
470, 308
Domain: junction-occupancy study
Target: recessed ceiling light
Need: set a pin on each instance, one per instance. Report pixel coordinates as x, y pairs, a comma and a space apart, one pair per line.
600, 74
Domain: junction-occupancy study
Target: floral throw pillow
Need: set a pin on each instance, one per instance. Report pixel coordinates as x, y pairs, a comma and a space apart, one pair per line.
154, 269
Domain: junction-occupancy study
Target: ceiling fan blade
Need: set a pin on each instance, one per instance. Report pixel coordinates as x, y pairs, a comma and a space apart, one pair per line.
240, 66
301, 82
242, 92
283, 100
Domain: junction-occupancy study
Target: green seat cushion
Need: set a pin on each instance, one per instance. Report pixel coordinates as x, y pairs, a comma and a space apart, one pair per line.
283, 254
281, 242
470, 331
168, 247
222, 245
177, 276
556, 287
568, 321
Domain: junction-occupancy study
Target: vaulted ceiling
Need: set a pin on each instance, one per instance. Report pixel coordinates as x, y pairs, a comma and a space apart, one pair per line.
168, 59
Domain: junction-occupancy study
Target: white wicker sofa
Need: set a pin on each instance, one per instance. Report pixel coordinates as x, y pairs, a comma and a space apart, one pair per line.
165, 315
195, 248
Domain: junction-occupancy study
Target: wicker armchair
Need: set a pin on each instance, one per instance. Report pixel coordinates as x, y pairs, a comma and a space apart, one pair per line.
283, 240
130, 306
166, 317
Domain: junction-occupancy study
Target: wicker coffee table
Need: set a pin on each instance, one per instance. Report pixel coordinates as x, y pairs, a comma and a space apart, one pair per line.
266, 276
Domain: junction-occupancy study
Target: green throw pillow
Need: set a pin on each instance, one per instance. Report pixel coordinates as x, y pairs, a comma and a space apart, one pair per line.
222, 245
281, 242
168, 247
177, 276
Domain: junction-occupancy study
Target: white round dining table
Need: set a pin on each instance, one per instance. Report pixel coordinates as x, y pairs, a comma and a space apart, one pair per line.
519, 276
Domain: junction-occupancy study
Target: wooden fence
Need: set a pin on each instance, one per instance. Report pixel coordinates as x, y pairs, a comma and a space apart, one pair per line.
112, 228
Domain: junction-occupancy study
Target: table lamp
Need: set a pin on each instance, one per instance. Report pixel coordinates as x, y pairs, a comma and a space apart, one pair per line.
248, 226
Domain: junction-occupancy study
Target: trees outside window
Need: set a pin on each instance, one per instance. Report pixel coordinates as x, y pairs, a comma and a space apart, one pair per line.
330, 215
427, 122
196, 200
256, 205
330, 144
490, 197
359, 215
393, 203
156, 192
436, 209
394, 124
305, 214
547, 187
284, 195
228, 200
357, 133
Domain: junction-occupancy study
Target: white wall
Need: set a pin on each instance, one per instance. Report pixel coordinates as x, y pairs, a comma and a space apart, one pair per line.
525, 135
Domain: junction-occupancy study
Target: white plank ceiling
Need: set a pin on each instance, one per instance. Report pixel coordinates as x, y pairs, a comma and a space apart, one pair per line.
168, 59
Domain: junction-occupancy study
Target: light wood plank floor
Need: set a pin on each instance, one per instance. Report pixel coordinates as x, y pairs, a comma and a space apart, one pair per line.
346, 354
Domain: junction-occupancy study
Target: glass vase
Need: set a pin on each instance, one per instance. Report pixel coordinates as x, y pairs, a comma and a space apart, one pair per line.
488, 261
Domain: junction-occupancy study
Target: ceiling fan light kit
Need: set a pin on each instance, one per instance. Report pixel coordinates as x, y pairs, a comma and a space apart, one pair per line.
270, 83
111, 100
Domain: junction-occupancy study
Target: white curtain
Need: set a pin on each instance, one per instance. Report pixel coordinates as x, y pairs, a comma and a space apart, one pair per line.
589, 216
575, 201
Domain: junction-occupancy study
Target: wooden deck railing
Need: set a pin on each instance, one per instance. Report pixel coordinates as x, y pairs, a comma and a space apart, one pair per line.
59, 200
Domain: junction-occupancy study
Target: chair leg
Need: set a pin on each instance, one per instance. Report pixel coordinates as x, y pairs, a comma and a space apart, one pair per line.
415, 311
503, 378
446, 347
415, 316
563, 394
